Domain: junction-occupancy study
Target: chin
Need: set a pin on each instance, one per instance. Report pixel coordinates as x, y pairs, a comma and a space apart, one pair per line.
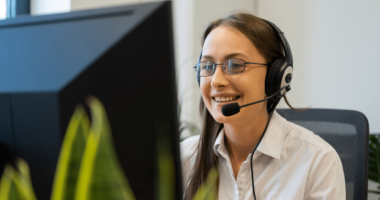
220, 118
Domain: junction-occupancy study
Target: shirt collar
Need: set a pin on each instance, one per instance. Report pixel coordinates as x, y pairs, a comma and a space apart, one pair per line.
219, 145
271, 144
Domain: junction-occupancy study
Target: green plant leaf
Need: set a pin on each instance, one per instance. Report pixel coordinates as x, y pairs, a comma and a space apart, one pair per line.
374, 158
208, 190
101, 176
70, 157
11, 186
165, 187
25, 182
373, 191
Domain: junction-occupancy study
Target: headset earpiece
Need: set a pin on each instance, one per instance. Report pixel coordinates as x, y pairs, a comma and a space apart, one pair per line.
280, 70
279, 74
196, 74
271, 74
287, 75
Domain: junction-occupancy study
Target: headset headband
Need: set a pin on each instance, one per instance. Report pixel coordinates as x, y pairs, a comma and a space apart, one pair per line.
284, 42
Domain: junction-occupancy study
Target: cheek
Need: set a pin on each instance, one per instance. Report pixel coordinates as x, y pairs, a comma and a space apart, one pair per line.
205, 90
205, 86
253, 85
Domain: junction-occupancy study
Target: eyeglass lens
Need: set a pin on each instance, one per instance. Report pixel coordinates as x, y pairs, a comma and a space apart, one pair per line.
231, 66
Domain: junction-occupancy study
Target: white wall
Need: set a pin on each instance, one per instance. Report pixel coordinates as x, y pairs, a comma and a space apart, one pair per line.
3, 9
40, 7
184, 45
90, 4
207, 11
336, 49
345, 50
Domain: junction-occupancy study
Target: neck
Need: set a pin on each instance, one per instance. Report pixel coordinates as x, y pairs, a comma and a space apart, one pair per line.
242, 137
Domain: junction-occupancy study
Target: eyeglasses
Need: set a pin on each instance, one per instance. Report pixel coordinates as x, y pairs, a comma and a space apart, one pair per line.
231, 66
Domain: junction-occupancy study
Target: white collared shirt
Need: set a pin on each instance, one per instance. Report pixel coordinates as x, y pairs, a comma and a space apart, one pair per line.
290, 163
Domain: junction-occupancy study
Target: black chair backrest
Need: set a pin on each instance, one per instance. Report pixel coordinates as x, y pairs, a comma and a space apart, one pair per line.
345, 130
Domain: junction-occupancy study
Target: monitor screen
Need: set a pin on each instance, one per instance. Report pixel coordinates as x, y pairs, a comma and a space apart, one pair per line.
123, 56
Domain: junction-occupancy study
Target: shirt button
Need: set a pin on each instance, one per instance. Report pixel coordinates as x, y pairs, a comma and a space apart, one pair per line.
242, 175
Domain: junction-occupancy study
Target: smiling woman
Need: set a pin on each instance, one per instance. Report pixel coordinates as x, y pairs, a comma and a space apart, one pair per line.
238, 64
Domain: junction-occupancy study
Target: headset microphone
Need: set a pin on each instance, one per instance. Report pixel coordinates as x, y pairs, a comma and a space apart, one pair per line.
234, 108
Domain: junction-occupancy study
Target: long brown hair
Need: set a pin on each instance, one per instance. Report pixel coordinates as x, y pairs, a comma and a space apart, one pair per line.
265, 40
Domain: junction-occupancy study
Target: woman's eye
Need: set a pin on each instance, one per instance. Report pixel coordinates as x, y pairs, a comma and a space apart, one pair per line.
236, 66
207, 67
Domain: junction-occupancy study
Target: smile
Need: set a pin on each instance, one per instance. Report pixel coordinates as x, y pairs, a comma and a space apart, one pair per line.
225, 99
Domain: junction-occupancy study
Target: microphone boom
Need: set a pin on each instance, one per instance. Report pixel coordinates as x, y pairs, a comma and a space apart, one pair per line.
234, 108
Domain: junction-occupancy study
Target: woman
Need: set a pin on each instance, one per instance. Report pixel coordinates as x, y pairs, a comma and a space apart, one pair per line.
290, 162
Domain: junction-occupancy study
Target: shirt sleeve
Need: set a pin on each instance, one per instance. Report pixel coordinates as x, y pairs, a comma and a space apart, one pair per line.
326, 177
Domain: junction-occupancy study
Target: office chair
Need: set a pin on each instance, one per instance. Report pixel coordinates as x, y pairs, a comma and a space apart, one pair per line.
345, 130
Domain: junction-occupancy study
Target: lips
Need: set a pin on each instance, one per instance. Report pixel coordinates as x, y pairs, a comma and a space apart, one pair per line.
225, 99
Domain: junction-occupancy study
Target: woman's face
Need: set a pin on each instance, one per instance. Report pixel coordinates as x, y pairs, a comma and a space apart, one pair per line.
222, 44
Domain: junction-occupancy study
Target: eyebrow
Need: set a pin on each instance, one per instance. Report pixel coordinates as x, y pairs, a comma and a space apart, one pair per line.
231, 55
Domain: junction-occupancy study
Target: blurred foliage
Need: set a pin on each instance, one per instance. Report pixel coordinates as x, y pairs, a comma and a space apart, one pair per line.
165, 180
88, 168
100, 175
374, 161
70, 157
16, 184
208, 190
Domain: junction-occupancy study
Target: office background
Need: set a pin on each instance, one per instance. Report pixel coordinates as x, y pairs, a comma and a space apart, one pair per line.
335, 46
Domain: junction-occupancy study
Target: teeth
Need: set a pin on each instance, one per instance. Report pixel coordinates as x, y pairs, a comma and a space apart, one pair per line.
225, 99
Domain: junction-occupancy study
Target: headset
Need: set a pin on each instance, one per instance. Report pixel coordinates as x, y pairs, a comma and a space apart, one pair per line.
279, 72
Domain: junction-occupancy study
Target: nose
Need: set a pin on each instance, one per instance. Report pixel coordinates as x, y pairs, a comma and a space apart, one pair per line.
219, 78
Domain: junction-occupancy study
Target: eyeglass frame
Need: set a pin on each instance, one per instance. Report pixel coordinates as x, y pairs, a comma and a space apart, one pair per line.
215, 64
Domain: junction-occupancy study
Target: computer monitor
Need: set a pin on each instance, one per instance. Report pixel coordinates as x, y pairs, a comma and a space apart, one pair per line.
124, 56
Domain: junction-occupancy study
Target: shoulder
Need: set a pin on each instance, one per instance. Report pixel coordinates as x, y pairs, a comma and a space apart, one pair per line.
190, 141
325, 177
320, 153
301, 135
188, 149
303, 142
309, 156
189, 146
